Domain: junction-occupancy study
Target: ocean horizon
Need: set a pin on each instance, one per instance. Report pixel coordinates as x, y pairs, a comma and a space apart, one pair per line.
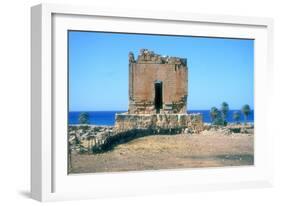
107, 118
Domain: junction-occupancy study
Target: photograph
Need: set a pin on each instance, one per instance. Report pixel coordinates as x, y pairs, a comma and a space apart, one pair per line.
141, 102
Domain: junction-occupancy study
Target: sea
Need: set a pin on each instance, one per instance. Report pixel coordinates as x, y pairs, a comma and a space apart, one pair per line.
108, 117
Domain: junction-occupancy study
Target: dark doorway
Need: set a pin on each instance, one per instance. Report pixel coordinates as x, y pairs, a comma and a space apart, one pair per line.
158, 96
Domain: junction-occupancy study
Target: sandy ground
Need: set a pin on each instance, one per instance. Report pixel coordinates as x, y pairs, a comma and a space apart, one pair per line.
208, 149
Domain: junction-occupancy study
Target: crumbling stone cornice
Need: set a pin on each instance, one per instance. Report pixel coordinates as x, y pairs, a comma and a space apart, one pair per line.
145, 56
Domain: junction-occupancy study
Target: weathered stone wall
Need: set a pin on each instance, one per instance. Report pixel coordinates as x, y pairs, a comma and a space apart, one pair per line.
145, 71
191, 122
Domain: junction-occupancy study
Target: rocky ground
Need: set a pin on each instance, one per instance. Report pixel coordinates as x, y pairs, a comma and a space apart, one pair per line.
213, 147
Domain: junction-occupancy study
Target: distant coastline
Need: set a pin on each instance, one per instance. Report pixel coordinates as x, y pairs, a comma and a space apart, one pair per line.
108, 117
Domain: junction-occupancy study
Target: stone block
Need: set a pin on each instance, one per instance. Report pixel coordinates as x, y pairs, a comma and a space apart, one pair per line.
125, 121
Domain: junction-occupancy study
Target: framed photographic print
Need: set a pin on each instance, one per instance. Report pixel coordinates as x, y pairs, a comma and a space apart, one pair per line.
137, 102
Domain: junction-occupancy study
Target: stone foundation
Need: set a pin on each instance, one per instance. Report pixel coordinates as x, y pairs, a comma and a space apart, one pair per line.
191, 122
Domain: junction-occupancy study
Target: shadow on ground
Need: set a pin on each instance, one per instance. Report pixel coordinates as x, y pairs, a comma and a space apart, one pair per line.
25, 193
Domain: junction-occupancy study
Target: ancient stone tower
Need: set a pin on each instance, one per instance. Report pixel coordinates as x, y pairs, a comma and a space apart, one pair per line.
157, 84
157, 95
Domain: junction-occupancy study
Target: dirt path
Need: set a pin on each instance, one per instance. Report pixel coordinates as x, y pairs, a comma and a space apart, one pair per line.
207, 149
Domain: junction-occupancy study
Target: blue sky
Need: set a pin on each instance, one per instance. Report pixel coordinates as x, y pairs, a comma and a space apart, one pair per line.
219, 69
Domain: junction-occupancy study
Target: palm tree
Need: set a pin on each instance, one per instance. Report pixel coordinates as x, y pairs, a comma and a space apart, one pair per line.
224, 110
214, 112
246, 111
236, 116
84, 118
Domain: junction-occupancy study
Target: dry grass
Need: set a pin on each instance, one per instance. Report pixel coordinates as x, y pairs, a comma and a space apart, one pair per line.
208, 149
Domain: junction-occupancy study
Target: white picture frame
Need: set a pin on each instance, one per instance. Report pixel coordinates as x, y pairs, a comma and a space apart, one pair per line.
49, 178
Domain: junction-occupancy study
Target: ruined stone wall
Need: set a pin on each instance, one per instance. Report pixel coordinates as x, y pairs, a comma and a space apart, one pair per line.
192, 122
145, 71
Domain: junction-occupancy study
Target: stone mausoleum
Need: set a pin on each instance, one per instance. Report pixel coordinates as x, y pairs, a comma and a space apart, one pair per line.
158, 90
157, 84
